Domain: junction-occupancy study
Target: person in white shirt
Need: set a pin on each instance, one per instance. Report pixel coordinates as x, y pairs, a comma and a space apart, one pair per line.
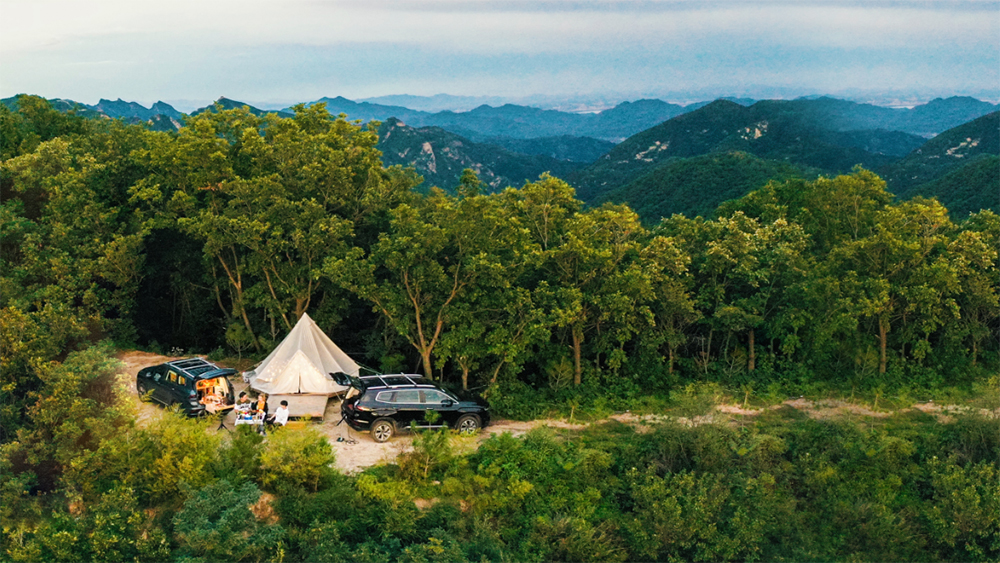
280, 415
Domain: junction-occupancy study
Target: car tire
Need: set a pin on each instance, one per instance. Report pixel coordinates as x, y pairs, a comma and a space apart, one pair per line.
382, 430
140, 387
467, 424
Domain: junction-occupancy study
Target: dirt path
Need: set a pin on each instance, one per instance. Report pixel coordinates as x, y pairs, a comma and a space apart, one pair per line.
355, 451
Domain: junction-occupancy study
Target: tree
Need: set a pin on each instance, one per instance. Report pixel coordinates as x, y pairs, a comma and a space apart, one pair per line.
902, 275
271, 198
83, 248
979, 306
597, 282
747, 268
500, 318
672, 306
425, 266
33, 120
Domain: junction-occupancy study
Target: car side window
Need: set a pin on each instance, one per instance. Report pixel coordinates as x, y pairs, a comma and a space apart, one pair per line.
172, 377
157, 375
432, 397
386, 397
409, 396
182, 381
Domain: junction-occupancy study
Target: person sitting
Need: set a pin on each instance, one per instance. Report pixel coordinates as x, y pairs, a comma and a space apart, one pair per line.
243, 409
280, 415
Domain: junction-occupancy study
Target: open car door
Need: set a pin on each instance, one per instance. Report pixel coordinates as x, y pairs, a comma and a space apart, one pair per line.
347, 381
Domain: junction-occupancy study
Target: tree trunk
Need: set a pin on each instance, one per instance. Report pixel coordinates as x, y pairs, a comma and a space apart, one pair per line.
246, 321
236, 281
465, 378
975, 350
670, 359
577, 368
270, 286
425, 353
496, 373
753, 354
883, 331
706, 351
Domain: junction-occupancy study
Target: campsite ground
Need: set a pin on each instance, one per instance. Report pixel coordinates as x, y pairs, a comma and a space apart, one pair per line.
355, 451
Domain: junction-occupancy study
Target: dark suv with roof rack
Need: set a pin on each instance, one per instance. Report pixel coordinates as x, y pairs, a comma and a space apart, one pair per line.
386, 404
194, 385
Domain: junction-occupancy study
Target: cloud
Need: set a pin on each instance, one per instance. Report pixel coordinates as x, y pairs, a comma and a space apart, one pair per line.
514, 44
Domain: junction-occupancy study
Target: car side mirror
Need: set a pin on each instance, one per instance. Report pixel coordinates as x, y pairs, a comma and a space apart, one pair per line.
447, 403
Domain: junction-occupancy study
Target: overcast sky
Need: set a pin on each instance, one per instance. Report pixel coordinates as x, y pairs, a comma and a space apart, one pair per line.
300, 50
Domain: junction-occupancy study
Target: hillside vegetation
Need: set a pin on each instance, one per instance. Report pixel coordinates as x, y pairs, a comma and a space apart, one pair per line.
781, 487
223, 234
440, 157
696, 186
216, 238
947, 154
769, 129
970, 188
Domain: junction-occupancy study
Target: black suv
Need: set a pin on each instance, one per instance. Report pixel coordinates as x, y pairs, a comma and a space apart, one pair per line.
194, 384
386, 404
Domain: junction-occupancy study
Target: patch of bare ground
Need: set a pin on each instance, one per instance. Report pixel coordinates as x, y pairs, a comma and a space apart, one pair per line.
357, 450
135, 360
819, 410
425, 503
833, 408
945, 413
830, 408
263, 509
644, 423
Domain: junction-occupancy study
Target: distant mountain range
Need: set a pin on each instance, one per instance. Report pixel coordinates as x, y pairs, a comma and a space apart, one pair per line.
438, 102
721, 151
665, 158
768, 129
518, 122
960, 167
493, 124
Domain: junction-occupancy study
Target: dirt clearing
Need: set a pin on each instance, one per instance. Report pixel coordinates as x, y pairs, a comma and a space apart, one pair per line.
356, 451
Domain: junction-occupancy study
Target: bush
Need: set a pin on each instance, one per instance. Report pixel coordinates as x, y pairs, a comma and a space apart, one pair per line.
432, 451
216, 524
240, 459
299, 459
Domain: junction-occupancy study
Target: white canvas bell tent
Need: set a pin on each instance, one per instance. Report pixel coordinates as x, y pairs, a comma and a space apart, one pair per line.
302, 363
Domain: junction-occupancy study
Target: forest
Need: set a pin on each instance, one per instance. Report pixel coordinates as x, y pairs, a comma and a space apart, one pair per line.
214, 239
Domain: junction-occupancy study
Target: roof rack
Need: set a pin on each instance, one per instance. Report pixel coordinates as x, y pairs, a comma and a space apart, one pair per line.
397, 380
194, 366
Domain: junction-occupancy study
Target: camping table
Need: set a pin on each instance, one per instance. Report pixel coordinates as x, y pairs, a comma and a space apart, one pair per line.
219, 409
258, 422
216, 408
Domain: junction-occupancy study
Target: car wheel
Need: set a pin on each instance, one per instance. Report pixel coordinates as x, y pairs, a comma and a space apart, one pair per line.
141, 388
467, 424
382, 430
